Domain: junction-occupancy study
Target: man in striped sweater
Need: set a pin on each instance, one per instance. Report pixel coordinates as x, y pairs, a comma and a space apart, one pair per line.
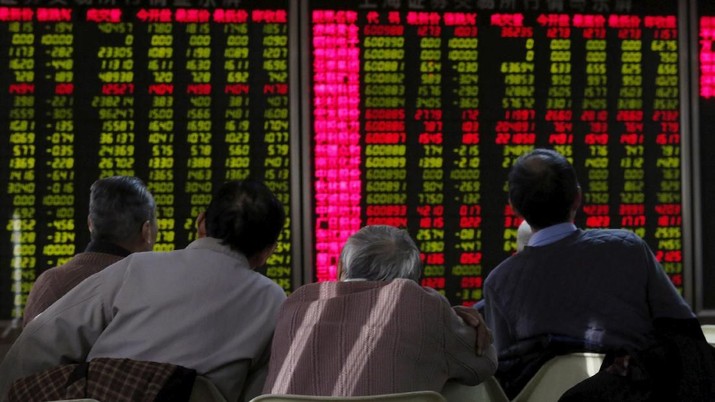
377, 331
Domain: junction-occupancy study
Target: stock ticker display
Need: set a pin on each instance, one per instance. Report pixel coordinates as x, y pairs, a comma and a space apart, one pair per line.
415, 111
184, 98
421, 108
706, 106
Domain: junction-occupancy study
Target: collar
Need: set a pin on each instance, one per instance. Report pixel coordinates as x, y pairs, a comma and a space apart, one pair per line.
105, 247
551, 234
214, 244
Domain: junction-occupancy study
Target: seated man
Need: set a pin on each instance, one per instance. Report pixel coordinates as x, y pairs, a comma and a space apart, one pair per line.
122, 220
376, 331
596, 289
202, 307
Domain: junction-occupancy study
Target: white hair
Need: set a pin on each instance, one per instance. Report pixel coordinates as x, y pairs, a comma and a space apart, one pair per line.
380, 253
523, 234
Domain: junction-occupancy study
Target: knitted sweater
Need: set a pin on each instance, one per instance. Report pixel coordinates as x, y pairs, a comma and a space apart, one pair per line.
603, 287
368, 338
56, 282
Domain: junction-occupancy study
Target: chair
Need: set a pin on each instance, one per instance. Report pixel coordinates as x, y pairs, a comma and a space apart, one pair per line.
559, 374
488, 390
416, 396
709, 332
76, 400
205, 391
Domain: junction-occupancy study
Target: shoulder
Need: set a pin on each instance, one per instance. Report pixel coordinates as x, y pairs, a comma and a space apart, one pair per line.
56, 274
410, 290
611, 237
48, 276
398, 288
505, 268
410, 286
312, 289
273, 289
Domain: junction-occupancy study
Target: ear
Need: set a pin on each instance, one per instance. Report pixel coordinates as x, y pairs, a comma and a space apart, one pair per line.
149, 232
576, 203
89, 224
201, 225
259, 259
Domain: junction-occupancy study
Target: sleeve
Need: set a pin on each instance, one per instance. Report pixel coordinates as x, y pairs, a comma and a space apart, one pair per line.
496, 321
463, 363
256, 377
663, 298
65, 332
258, 372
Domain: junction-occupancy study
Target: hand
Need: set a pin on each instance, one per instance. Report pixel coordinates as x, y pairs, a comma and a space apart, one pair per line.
620, 366
471, 317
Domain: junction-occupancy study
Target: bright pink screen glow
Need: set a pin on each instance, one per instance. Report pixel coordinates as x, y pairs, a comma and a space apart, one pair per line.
707, 57
337, 135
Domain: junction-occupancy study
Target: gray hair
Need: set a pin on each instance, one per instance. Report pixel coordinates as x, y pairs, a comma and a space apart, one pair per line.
118, 208
523, 234
380, 253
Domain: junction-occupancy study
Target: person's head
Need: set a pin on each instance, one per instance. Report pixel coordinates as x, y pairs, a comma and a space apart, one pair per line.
122, 212
543, 188
380, 253
247, 217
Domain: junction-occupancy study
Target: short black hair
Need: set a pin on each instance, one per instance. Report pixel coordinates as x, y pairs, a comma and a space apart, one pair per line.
118, 208
543, 187
246, 216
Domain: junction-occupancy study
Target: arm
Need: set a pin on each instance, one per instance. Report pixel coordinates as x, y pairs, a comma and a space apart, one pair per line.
496, 321
64, 333
464, 362
256, 377
471, 317
664, 300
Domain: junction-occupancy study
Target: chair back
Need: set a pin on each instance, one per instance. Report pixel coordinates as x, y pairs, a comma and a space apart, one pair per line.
488, 390
709, 332
205, 391
559, 374
416, 396
76, 400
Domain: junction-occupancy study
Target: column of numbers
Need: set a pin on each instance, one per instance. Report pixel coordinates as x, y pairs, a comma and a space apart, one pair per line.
463, 55
385, 133
594, 117
275, 124
666, 113
630, 116
198, 123
559, 112
516, 132
160, 89
59, 201
22, 177
236, 66
115, 104
428, 116
337, 153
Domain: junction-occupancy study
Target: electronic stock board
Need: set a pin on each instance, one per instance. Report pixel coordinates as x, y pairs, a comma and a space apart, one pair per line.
411, 114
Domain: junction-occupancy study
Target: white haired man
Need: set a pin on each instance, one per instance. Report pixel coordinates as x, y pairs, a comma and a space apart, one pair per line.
377, 331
